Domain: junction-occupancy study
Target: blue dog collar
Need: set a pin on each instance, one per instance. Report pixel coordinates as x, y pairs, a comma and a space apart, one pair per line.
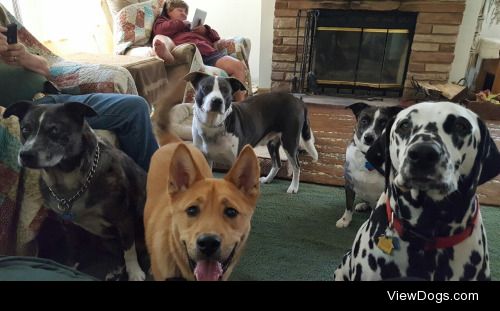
369, 166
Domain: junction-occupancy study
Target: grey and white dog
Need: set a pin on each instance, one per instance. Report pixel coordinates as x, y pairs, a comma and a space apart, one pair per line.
83, 180
361, 177
221, 128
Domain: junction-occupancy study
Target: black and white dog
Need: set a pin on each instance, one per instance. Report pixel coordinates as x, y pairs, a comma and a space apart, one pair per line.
221, 129
361, 177
83, 180
427, 223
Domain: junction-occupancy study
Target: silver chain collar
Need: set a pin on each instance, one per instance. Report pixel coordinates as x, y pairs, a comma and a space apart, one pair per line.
221, 123
64, 205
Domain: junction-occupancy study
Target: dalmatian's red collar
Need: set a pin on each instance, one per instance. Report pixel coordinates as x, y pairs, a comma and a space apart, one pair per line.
438, 242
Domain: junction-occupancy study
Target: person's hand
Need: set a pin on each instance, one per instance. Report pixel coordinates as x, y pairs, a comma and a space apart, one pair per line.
3, 40
200, 30
226, 44
14, 55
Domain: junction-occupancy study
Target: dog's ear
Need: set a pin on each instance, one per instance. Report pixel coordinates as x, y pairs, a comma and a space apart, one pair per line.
394, 110
195, 77
79, 110
18, 109
488, 155
245, 173
379, 153
183, 170
376, 153
357, 108
236, 85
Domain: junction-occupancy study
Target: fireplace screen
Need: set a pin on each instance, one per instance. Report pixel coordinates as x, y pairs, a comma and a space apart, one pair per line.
359, 50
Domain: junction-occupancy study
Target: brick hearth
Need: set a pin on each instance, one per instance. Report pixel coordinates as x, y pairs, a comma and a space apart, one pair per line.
433, 45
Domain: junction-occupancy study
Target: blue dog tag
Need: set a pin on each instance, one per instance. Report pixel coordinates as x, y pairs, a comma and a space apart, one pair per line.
68, 216
369, 166
395, 243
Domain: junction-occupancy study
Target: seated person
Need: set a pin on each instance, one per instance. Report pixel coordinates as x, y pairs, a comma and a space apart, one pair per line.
24, 74
172, 23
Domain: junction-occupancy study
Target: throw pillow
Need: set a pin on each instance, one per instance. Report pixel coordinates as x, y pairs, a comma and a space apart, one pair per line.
134, 23
116, 5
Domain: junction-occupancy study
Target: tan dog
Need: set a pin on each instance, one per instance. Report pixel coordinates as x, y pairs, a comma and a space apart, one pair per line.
197, 226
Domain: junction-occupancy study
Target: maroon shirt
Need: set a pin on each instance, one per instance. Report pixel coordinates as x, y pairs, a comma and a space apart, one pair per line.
180, 33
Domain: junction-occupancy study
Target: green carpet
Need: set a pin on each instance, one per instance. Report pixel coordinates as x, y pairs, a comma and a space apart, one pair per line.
294, 237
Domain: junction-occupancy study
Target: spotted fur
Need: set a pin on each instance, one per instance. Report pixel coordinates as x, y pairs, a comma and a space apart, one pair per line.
435, 155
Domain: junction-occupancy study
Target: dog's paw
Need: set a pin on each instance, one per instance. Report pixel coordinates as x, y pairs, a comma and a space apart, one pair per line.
345, 220
292, 189
115, 274
264, 180
136, 275
362, 207
338, 275
342, 223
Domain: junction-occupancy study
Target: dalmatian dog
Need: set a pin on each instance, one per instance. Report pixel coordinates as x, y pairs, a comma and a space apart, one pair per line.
427, 224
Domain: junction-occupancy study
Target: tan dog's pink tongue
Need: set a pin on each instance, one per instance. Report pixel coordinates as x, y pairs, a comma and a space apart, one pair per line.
208, 270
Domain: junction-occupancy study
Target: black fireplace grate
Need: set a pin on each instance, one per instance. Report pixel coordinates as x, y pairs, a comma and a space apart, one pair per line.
354, 52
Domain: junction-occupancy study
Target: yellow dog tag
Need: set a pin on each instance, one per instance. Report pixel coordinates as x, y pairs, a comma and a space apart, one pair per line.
385, 244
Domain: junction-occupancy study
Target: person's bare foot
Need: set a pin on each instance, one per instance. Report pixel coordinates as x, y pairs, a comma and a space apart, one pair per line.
162, 51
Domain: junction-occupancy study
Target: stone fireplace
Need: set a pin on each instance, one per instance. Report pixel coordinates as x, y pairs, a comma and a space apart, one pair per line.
363, 47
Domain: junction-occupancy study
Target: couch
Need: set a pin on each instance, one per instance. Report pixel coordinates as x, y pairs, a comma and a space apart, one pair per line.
131, 23
148, 73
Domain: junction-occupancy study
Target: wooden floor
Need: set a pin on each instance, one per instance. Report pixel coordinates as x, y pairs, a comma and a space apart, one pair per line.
333, 130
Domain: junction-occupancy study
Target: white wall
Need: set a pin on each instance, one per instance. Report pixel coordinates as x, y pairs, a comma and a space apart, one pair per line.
8, 5
235, 18
74, 24
490, 29
464, 40
77, 18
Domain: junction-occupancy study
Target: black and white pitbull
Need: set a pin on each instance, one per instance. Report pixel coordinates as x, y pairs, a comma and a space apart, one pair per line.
361, 177
221, 129
427, 224
83, 180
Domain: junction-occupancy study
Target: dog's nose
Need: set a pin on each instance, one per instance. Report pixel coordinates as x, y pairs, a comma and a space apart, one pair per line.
28, 157
208, 244
216, 104
424, 155
369, 139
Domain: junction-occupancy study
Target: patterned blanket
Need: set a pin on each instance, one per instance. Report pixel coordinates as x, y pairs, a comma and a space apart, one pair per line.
21, 212
10, 173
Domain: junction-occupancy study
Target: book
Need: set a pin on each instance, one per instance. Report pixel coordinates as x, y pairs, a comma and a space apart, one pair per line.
198, 18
